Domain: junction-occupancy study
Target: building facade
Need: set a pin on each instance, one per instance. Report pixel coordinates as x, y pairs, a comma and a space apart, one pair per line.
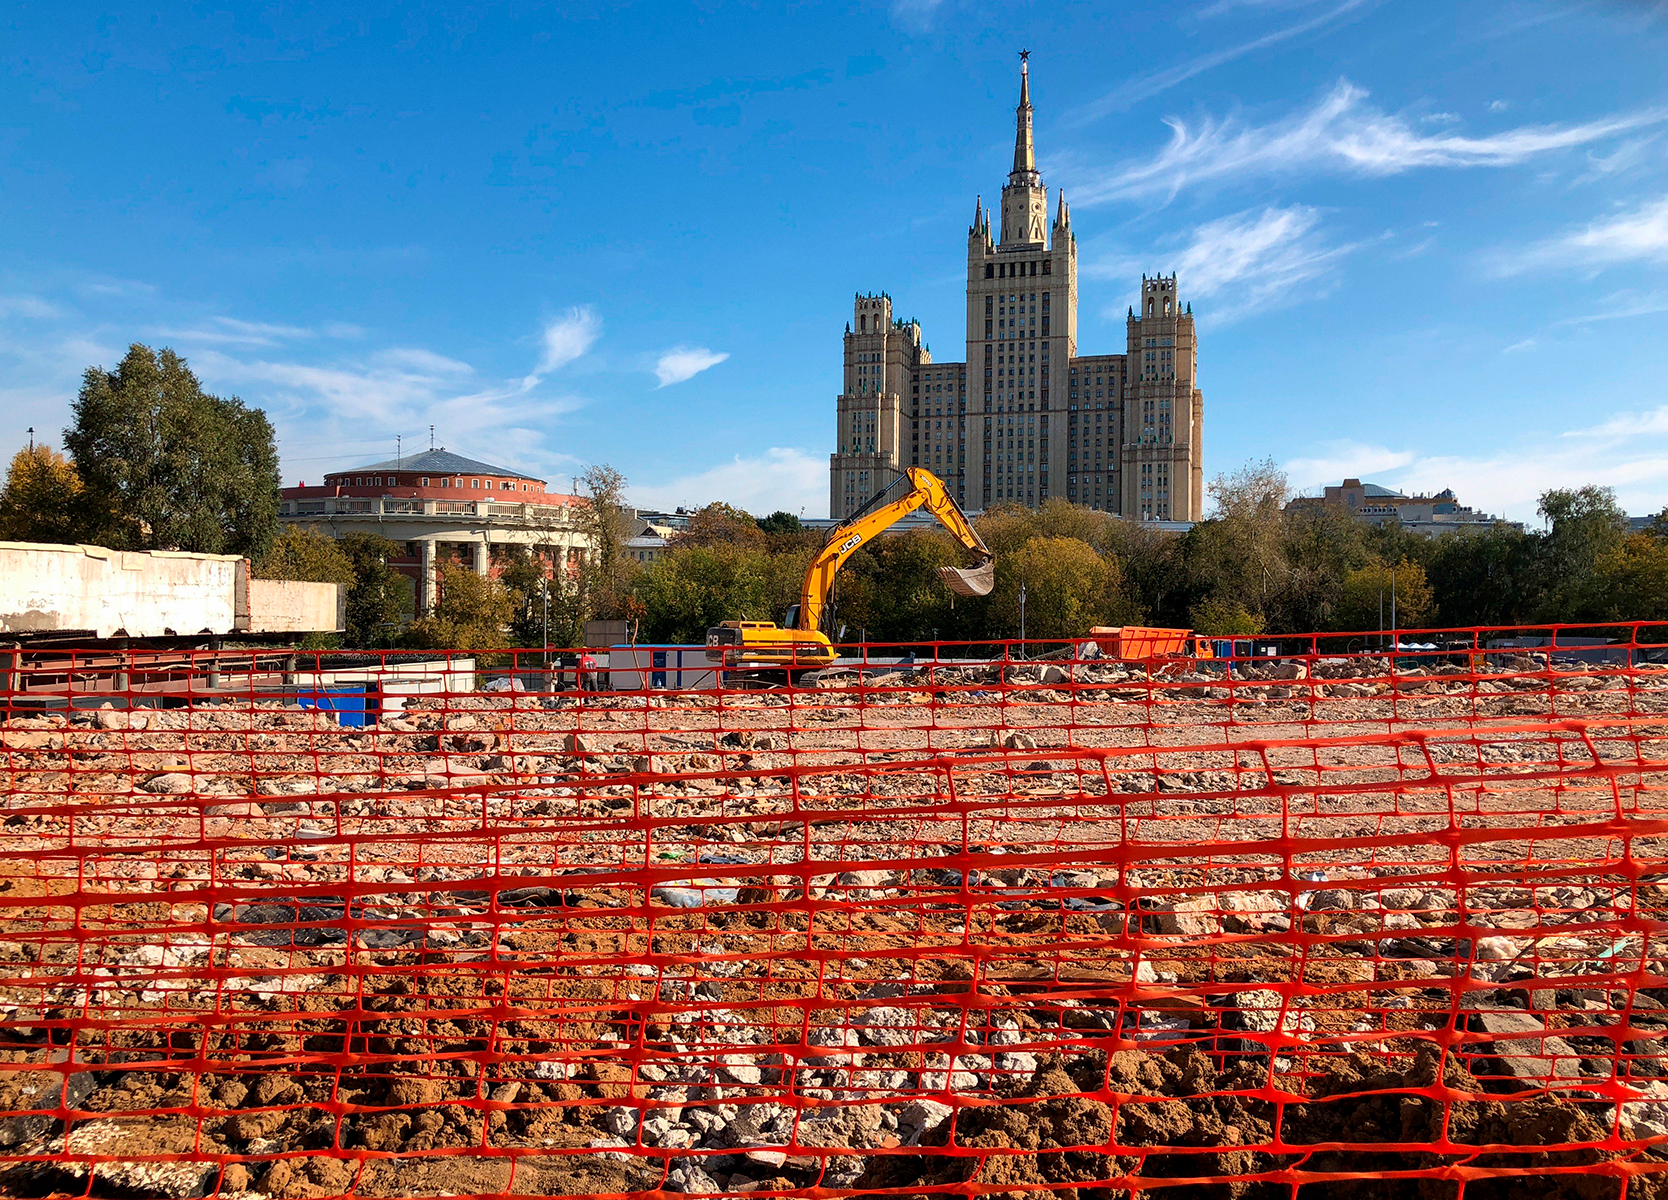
1375, 504
1024, 417
438, 506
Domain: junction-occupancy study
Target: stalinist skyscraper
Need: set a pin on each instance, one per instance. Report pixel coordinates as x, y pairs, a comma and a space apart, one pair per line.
1025, 417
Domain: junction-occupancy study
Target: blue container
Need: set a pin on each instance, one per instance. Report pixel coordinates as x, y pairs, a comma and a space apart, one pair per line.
348, 703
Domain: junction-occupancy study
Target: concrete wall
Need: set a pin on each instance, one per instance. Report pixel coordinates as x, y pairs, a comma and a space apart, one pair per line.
158, 593
285, 606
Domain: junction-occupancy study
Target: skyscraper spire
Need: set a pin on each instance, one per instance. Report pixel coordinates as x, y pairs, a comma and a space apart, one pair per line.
978, 212
1025, 154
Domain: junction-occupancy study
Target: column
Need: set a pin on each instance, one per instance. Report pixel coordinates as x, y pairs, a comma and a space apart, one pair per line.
426, 582
483, 556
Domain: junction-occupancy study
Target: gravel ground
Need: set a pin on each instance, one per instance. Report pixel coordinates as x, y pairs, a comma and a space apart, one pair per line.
872, 937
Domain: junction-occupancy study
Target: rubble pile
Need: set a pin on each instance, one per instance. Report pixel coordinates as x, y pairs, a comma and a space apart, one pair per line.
1009, 926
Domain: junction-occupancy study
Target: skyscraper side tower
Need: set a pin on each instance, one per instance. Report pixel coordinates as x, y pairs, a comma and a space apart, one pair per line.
1025, 417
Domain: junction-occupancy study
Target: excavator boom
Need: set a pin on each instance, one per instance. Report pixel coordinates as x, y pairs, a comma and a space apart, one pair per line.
803, 645
926, 491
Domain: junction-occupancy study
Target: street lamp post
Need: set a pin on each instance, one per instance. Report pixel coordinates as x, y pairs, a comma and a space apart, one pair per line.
1022, 620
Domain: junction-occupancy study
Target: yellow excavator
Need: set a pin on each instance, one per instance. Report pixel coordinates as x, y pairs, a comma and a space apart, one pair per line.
763, 651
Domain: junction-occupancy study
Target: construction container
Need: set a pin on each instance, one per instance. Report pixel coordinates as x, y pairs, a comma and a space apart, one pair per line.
1139, 641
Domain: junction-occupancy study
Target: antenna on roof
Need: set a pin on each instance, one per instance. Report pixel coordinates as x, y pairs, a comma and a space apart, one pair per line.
399, 451
431, 437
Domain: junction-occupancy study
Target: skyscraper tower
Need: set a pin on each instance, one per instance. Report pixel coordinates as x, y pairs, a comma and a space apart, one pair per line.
1025, 418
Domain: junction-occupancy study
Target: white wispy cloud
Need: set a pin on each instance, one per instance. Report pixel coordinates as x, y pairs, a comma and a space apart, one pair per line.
1226, 6
1147, 86
323, 410
785, 480
1637, 235
685, 362
568, 337
1628, 452
1621, 306
333, 399
422, 362
1248, 261
25, 305
231, 331
917, 14
1342, 133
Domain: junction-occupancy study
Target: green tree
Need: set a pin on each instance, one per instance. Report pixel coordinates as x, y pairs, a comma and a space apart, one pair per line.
545, 601
892, 590
1483, 577
780, 523
177, 468
43, 500
1633, 578
380, 600
472, 613
687, 591
307, 556
1585, 526
378, 597
1323, 544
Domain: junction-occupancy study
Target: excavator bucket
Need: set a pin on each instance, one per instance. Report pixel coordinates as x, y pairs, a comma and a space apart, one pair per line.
970, 581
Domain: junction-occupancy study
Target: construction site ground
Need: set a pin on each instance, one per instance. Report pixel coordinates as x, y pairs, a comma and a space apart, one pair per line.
1073, 929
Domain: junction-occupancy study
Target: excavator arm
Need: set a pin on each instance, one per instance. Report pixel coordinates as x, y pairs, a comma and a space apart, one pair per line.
926, 491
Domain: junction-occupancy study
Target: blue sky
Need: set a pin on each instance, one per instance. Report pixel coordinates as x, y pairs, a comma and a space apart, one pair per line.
1426, 243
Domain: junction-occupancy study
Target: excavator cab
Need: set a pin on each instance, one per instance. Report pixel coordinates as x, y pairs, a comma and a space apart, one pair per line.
762, 651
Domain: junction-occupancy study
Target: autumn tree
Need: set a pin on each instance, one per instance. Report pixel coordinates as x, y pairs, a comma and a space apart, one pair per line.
307, 556
1633, 579
173, 467
472, 613
608, 527
1379, 596
720, 524
1218, 616
43, 500
1068, 590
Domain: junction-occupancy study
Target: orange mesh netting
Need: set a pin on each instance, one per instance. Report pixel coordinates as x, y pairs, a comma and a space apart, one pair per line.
1339, 921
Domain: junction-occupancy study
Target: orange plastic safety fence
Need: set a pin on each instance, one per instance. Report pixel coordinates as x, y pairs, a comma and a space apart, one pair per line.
1316, 917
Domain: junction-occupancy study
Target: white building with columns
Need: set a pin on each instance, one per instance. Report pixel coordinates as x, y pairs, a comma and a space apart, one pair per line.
437, 506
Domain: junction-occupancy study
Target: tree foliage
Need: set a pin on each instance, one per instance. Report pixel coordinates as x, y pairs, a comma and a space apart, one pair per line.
1068, 589
608, 574
1380, 596
720, 524
171, 466
473, 612
1256, 565
307, 556
380, 600
43, 500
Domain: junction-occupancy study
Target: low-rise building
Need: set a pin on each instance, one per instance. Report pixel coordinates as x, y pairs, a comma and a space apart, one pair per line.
437, 506
1379, 505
